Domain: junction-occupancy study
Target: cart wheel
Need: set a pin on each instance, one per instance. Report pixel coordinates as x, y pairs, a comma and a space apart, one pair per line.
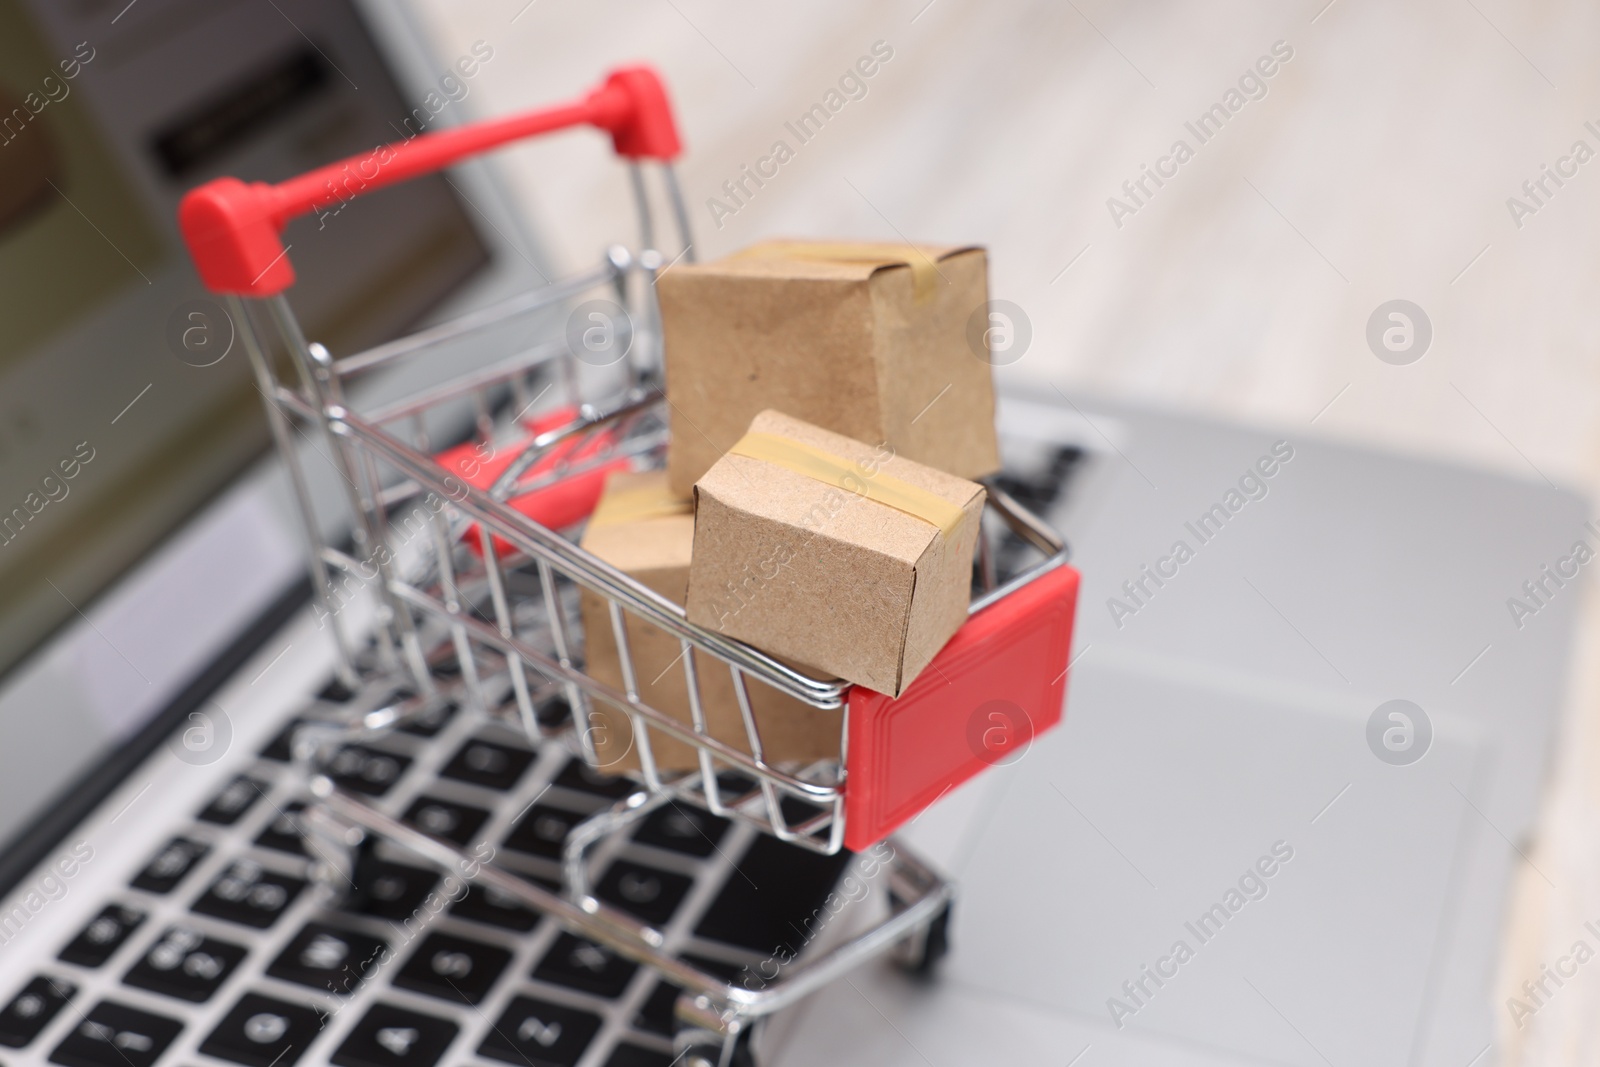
920, 953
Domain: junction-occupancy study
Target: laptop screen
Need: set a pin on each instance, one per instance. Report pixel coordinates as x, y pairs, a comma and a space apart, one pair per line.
126, 402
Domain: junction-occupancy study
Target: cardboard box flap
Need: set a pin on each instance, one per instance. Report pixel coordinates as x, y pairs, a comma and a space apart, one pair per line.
839, 260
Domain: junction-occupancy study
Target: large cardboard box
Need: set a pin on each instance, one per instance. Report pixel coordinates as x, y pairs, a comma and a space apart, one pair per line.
876, 342
640, 528
828, 552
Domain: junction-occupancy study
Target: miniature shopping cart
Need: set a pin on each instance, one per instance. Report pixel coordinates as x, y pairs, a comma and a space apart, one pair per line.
471, 579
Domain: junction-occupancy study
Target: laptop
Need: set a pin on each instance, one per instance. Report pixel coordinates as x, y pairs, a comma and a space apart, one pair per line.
1300, 765
158, 646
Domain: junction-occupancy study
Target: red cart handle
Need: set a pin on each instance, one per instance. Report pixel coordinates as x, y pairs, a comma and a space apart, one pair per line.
233, 228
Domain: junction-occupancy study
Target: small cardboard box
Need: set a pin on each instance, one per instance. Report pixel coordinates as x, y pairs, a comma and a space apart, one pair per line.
872, 341
640, 528
828, 552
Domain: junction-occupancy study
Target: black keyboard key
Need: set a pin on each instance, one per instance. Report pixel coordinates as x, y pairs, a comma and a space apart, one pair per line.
580, 776
733, 786
250, 895
236, 798
115, 1035
264, 1032
775, 891
106, 933
552, 712
542, 831
186, 964
366, 770
335, 692
797, 813
680, 827
494, 908
656, 1013
446, 819
453, 968
171, 865
280, 748
388, 1036
430, 722
31, 1010
283, 833
487, 764
329, 959
579, 964
642, 891
537, 1032
728, 972
387, 890
626, 1055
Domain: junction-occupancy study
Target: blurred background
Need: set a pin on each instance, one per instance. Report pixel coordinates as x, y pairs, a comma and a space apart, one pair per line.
1384, 159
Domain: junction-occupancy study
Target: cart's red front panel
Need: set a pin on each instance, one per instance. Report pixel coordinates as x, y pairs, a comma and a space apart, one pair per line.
998, 683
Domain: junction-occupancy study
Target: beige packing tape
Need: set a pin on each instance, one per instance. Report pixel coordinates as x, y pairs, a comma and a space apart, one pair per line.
814, 463
637, 504
924, 271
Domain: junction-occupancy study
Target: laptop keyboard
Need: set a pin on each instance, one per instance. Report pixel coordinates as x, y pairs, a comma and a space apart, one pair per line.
222, 951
